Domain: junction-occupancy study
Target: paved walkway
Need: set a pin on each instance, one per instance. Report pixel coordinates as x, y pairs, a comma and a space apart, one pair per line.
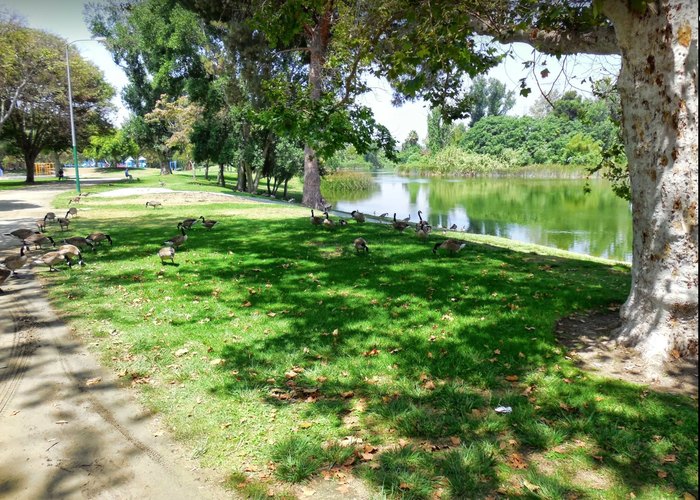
67, 430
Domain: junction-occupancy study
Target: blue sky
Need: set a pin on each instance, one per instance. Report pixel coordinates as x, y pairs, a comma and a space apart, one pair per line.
65, 18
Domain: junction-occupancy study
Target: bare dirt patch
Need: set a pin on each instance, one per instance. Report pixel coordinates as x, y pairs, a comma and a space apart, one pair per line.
590, 340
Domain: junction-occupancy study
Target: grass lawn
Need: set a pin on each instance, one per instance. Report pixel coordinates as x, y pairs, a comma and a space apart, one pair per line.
280, 354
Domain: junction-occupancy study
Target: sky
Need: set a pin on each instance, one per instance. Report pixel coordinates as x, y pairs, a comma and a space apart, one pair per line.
65, 18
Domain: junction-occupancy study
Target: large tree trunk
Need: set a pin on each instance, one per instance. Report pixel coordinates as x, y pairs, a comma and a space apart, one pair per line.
29, 162
659, 93
318, 38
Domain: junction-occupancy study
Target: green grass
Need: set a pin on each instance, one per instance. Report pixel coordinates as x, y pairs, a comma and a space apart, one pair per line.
272, 343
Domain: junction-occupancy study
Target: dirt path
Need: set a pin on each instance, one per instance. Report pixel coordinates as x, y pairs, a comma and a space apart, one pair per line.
67, 430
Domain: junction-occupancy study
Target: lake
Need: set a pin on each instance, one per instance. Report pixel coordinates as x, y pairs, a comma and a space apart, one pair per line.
550, 212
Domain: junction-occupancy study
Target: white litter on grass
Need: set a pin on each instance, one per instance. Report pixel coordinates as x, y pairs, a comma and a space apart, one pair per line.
131, 191
503, 409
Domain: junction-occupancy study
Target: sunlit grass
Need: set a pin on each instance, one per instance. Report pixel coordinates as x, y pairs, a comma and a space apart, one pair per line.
271, 341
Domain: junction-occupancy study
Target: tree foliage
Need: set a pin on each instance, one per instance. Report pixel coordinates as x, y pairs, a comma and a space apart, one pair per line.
489, 97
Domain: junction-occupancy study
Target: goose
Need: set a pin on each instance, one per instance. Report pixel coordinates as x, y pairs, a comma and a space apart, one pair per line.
153, 204
399, 225
452, 246
384, 215
358, 216
38, 240
327, 222
342, 222
208, 223
50, 217
453, 227
74, 200
178, 240
423, 224
71, 250
4, 274
361, 245
72, 211
14, 262
79, 242
41, 224
407, 218
315, 219
99, 238
21, 233
166, 253
421, 233
187, 223
52, 258
63, 222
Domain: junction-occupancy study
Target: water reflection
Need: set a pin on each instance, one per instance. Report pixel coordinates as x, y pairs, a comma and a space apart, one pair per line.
552, 212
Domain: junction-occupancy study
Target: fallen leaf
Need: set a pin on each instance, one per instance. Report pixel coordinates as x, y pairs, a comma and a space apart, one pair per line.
669, 459
217, 362
290, 374
181, 352
271, 314
455, 440
430, 385
306, 425
347, 395
530, 486
662, 474
685, 35
512, 378
93, 381
367, 456
246, 304
516, 461
405, 486
676, 354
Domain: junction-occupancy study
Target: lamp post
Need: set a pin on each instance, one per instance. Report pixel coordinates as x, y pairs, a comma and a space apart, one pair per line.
70, 109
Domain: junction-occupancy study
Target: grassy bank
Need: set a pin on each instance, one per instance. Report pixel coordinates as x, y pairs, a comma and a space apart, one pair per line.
279, 354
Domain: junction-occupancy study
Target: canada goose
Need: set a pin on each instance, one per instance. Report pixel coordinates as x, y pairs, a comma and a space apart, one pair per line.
327, 222
14, 262
41, 224
342, 222
407, 218
99, 238
178, 240
71, 250
50, 217
423, 224
315, 219
72, 211
208, 223
452, 246
79, 242
358, 216
153, 204
74, 200
187, 223
361, 245
21, 233
63, 222
52, 258
399, 225
166, 253
384, 215
4, 274
38, 240
453, 227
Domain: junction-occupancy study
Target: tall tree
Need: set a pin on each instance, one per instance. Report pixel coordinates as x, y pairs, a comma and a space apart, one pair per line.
39, 120
489, 98
658, 87
439, 130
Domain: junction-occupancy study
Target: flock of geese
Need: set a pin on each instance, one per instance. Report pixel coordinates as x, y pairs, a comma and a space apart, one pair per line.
422, 229
167, 251
70, 248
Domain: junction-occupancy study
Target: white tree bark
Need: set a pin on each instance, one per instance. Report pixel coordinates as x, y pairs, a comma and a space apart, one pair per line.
658, 85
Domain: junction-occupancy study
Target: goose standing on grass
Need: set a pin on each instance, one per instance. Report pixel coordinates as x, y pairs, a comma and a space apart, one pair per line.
52, 258
451, 246
177, 241
50, 217
21, 233
14, 262
421, 233
399, 225
423, 224
63, 222
342, 222
315, 219
79, 242
453, 227
187, 223
153, 204
327, 222
38, 240
358, 216
41, 224
208, 223
167, 253
71, 250
72, 211
4, 274
98, 238
361, 245
74, 200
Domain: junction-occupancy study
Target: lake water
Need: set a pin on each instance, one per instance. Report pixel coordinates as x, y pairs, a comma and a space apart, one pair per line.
551, 212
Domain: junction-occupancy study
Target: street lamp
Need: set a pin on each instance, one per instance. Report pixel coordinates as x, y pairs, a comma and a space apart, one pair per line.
70, 108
